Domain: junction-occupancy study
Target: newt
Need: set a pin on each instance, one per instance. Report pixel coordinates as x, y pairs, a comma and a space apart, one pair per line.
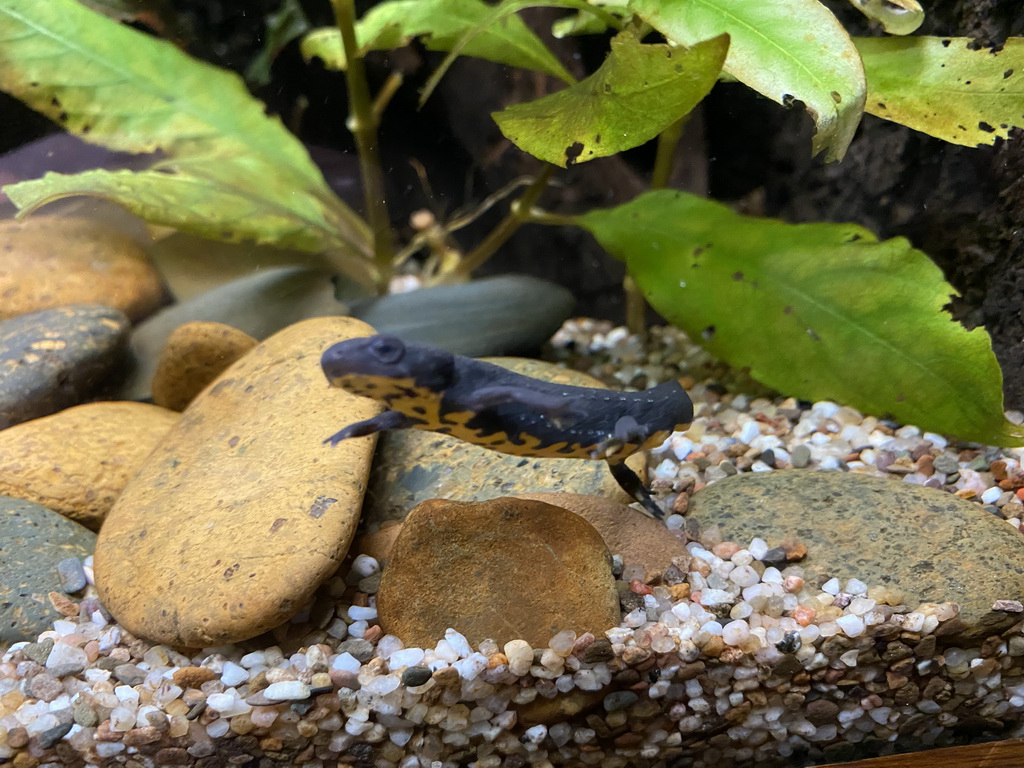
427, 388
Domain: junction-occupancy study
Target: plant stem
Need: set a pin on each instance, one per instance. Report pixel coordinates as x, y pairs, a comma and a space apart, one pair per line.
518, 214
363, 122
664, 160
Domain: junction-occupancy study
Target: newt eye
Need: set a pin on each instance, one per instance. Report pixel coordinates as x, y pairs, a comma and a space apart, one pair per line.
388, 349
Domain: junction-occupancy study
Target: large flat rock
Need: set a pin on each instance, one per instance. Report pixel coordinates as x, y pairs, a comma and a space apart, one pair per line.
934, 546
241, 511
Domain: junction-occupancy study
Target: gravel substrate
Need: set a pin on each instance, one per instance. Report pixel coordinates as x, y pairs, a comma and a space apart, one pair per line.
727, 658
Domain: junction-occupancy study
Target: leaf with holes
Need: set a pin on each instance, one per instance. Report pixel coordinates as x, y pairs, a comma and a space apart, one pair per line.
940, 86
440, 24
638, 92
787, 50
817, 311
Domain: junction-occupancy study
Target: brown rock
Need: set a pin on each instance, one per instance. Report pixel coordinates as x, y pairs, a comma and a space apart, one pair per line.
378, 544
639, 539
412, 466
78, 461
47, 261
192, 677
503, 569
933, 546
241, 511
196, 354
560, 708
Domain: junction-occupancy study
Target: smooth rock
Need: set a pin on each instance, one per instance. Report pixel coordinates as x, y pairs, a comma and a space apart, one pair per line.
196, 354
259, 305
49, 261
935, 547
506, 569
56, 358
506, 315
33, 542
78, 461
241, 511
638, 538
412, 466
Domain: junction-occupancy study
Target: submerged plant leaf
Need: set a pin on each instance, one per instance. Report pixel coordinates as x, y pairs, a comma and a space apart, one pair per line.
817, 311
897, 17
639, 91
787, 50
586, 23
940, 86
440, 24
129, 91
199, 205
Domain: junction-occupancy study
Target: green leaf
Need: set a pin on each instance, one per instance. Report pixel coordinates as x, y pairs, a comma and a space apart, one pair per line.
639, 91
939, 86
129, 91
586, 23
897, 17
193, 204
440, 23
283, 26
817, 311
786, 50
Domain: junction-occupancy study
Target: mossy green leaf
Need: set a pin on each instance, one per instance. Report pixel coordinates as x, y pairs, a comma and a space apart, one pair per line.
942, 87
126, 90
639, 91
817, 311
440, 24
787, 50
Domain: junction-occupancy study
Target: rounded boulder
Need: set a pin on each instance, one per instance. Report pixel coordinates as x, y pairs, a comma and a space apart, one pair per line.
506, 569
241, 511
77, 462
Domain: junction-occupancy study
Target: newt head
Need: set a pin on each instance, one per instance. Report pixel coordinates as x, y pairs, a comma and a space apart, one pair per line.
380, 366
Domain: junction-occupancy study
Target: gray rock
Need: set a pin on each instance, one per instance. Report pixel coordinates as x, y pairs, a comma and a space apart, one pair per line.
33, 540
71, 575
495, 316
259, 305
934, 546
56, 358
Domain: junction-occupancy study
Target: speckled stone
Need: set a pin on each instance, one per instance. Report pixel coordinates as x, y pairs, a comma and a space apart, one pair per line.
196, 354
50, 261
78, 461
56, 358
461, 565
637, 537
241, 511
934, 546
33, 542
412, 466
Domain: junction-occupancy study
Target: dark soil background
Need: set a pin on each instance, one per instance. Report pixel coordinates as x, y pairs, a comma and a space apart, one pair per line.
962, 206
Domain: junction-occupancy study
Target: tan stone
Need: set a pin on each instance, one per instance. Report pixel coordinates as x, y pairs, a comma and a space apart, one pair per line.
78, 461
638, 538
503, 569
196, 354
48, 261
412, 465
241, 511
